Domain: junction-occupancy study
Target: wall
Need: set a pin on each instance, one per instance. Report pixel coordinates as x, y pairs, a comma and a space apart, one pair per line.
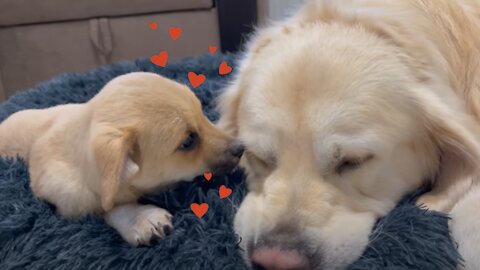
276, 9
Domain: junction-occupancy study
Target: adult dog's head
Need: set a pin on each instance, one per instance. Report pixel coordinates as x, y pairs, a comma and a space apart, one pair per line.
339, 123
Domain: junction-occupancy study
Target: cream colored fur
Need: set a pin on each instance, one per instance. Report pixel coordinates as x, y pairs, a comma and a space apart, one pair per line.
101, 156
391, 87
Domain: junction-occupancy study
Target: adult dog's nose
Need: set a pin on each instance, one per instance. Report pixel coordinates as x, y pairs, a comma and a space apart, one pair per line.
274, 258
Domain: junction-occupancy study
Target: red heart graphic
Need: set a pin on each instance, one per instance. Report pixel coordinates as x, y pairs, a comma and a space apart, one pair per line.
207, 175
199, 209
212, 49
224, 68
160, 59
175, 32
196, 80
224, 192
153, 25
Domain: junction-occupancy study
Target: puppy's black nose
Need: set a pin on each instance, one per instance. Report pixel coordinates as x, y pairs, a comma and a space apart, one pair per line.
229, 159
237, 150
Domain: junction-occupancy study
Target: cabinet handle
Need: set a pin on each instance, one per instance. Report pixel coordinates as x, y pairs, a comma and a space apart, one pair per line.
101, 38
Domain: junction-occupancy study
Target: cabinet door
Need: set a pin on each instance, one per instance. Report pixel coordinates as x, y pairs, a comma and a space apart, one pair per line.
33, 53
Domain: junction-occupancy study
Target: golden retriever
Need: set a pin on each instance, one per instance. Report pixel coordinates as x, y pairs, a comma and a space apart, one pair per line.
345, 108
141, 132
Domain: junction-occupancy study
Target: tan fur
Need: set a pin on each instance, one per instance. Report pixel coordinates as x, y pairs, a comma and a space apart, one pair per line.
99, 157
392, 83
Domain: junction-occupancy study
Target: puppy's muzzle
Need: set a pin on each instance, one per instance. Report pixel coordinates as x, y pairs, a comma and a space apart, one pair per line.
229, 160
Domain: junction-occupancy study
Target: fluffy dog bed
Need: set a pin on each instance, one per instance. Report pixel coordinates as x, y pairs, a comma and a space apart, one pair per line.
32, 236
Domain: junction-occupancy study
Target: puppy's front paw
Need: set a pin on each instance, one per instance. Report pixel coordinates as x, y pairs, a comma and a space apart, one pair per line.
151, 223
141, 224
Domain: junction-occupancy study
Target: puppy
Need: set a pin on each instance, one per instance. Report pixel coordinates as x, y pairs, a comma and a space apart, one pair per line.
141, 132
345, 108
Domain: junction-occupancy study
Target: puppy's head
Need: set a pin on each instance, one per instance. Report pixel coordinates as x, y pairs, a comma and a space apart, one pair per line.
148, 131
337, 129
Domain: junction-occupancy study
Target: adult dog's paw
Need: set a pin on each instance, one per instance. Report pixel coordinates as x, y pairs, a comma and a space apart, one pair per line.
434, 203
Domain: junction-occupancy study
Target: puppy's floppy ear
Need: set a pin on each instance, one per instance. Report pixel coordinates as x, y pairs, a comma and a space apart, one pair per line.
456, 137
112, 148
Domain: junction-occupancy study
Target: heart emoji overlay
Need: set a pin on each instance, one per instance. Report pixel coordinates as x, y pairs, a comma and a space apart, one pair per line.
160, 59
153, 25
224, 192
208, 176
224, 68
196, 79
175, 32
199, 209
212, 49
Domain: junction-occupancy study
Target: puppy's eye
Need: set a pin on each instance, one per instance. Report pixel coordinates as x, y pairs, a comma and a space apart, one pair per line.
190, 142
348, 164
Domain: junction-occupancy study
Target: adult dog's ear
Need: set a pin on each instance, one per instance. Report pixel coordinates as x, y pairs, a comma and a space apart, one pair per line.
228, 106
112, 148
456, 137
230, 101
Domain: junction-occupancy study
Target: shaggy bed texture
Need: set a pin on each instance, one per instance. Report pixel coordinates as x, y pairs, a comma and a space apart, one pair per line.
32, 236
